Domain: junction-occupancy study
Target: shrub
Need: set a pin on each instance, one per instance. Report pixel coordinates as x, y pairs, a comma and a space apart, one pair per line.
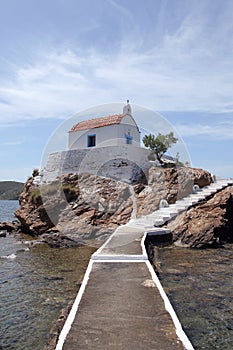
69, 191
35, 196
35, 172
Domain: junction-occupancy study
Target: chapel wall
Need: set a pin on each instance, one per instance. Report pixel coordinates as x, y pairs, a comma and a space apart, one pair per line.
118, 162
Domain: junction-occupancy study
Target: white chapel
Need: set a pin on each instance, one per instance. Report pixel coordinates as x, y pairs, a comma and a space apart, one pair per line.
112, 130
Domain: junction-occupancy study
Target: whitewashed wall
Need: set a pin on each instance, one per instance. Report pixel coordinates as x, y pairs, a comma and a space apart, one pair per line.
105, 161
111, 135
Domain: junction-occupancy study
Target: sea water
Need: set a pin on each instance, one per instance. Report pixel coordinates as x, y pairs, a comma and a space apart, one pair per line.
35, 284
199, 284
7, 209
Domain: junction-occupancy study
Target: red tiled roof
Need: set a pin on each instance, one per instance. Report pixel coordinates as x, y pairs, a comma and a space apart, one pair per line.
98, 122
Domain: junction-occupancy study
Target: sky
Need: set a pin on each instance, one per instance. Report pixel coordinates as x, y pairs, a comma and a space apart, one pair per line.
61, 57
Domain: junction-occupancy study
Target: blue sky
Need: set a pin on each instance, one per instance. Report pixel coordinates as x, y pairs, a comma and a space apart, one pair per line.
59, 57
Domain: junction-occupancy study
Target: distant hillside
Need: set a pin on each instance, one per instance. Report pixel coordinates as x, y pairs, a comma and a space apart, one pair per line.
10, 189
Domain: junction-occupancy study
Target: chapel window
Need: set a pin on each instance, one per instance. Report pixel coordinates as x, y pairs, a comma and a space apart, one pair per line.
91, 140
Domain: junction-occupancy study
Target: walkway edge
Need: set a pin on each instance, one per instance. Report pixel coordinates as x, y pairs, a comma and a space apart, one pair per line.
70, 319
169, 308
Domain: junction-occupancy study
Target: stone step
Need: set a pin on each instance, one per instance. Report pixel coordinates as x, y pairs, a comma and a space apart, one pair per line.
158, 215
158, 222
145, 223
217, 185
195, 195
213, 189
208, 192
178, 206
162, 215
166, 210
189, 202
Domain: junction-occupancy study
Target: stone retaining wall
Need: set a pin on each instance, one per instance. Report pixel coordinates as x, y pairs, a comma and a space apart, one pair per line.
127, 163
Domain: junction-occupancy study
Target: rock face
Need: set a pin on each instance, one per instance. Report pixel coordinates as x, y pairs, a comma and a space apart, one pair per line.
170, 184
209, 224
74, 208
9, 226
57, 328
87, 207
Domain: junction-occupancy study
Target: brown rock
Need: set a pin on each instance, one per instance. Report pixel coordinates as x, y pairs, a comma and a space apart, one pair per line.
3, 234
83, 206
86, 207
170, 184
209, 224
59, 240
57, 327
9, 226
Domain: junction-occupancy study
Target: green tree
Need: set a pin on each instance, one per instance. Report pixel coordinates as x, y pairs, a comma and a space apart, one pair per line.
160, 144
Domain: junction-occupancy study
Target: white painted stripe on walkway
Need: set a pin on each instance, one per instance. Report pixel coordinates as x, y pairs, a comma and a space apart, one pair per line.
120, 261
111, 257
104, 245
179, 330
70, 319
144, 252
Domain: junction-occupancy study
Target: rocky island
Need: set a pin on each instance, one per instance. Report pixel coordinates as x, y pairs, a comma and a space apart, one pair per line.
78, 209
105, 178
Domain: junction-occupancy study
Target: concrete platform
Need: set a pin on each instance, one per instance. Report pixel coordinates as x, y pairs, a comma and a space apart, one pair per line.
122, 309
126, 240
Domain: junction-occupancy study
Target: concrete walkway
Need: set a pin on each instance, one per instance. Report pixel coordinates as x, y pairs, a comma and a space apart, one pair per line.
121, 303
121, 309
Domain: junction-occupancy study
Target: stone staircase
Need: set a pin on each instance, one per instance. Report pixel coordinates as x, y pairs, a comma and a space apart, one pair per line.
127, 241
163, 215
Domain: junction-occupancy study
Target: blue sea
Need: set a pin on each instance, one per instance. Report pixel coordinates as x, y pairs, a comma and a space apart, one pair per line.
35, 284
199, 284
7, 209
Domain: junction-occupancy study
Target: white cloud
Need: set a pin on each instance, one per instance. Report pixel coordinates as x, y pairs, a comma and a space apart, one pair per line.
186, 70
13, 143
217, 131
